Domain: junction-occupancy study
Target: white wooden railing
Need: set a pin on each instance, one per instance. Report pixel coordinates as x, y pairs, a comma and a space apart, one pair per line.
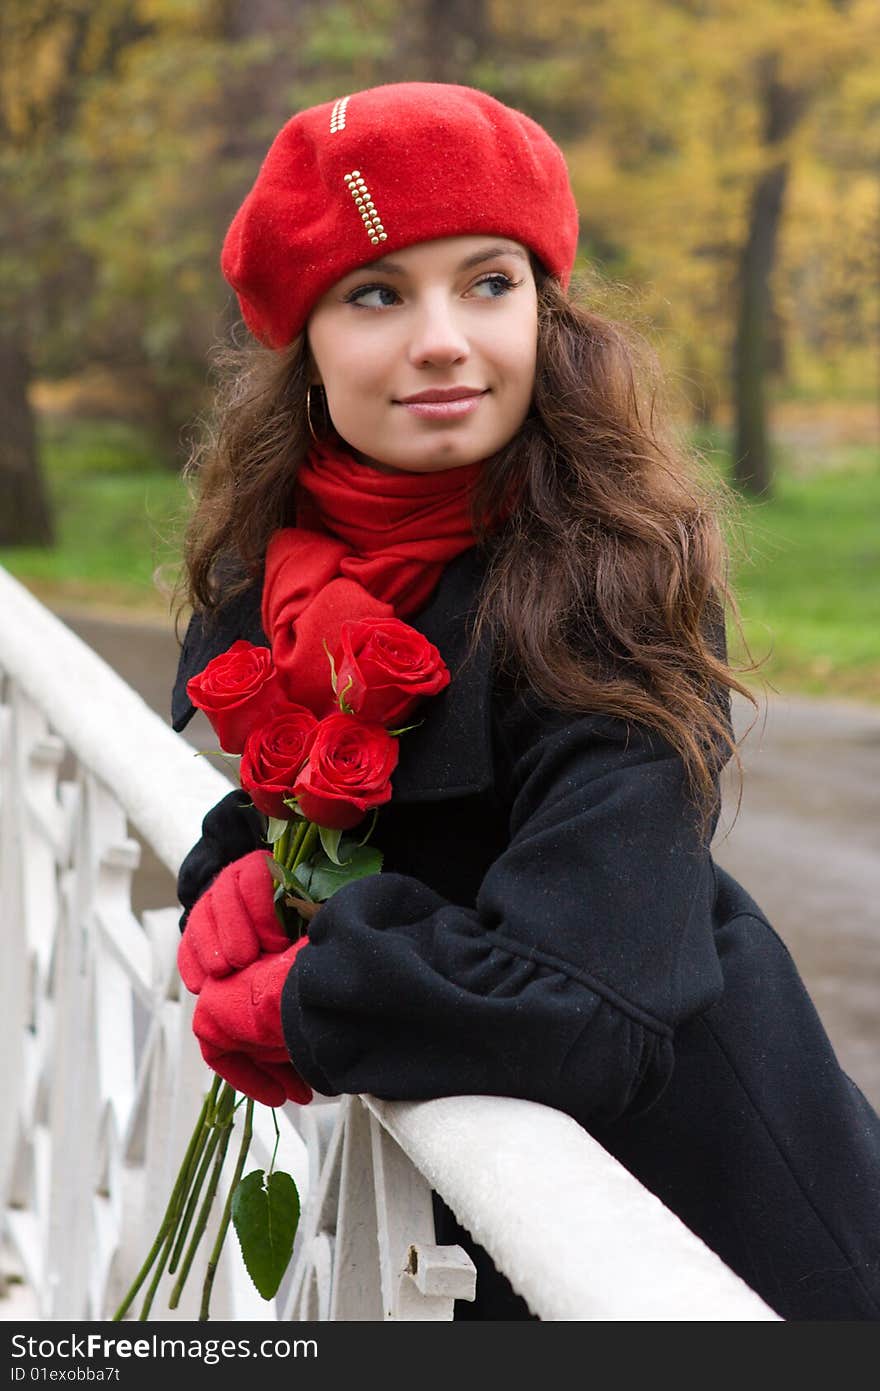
102, 1078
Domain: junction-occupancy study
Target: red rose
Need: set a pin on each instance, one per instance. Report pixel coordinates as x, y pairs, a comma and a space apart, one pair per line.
273, 757
384, 668
348, 771
237, 691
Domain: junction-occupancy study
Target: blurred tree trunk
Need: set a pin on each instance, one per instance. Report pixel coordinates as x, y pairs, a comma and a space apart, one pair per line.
751, 459
445, 39
25, 515
264, 88
783, 108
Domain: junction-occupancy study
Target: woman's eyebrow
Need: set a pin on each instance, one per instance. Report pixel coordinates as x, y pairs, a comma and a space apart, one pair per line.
489, 255
392, 268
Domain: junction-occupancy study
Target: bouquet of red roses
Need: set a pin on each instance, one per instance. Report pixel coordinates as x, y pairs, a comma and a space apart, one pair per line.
316, 772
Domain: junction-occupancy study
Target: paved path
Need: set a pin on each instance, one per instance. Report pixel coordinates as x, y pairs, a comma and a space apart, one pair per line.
806, 843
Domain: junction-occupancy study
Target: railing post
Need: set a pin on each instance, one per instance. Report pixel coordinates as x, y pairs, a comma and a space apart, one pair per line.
16, 996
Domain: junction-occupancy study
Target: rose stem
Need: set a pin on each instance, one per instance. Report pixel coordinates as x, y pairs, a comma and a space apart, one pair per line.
214, 1257
157, 1276
169, 1240
224, 1123
279, 847
304, 846
211, 1135
301, 850
275, 1150
291, 847
222, 1108
173, 1209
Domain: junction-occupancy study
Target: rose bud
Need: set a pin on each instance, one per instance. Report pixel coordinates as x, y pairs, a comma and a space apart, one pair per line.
273, 757
348, 771
237, 691
384, 668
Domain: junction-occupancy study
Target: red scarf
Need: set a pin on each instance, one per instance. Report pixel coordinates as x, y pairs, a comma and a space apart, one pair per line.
366, 544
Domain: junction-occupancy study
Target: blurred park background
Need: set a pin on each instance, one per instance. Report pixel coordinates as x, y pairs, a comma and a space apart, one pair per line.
725, 155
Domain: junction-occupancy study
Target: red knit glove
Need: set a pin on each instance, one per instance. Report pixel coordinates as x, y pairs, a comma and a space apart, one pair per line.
237, 1020
232, 924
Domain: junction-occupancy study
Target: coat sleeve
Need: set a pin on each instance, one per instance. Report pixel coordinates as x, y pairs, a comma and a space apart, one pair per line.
590, 941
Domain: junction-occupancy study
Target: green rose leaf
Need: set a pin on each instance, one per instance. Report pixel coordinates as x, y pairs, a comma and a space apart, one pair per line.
276, 829
278, 872
330, 839
265, 1214
321, 877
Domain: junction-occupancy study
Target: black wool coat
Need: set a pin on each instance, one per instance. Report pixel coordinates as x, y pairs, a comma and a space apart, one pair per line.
549, 924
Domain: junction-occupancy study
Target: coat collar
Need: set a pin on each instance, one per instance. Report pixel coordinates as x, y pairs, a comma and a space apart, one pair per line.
448, 754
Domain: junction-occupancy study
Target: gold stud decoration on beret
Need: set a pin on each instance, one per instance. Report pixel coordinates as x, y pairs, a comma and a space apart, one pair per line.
337, 115
363, 201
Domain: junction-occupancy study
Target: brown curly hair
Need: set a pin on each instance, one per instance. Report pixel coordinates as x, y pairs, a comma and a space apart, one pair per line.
606, 583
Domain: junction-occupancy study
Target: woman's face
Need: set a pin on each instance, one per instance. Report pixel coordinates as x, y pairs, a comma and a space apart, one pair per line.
456, 317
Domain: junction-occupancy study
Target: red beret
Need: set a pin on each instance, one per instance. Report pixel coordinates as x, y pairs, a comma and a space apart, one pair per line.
348, 181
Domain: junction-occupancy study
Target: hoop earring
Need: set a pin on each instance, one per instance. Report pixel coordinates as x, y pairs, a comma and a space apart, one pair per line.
309, 412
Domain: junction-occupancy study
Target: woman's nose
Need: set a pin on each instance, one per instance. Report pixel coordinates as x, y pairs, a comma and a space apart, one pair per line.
437, 335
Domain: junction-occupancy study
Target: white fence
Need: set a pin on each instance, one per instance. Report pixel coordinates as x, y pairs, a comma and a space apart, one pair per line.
102, 1079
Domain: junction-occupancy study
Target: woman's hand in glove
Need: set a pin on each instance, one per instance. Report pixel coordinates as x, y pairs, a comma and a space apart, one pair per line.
232, 924
237, 1020
229, 831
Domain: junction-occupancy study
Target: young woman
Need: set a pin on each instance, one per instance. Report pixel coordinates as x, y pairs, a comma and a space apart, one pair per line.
433, 429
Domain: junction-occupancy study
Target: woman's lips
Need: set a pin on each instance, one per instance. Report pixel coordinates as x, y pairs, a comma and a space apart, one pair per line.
444, 410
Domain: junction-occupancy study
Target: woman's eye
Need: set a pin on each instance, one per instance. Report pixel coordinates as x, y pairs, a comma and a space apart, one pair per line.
371, 296
359, 296
498, 283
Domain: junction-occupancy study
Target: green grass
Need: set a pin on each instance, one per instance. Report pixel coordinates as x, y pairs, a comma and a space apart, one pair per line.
117, 511
806, 571
812, 586
808, 583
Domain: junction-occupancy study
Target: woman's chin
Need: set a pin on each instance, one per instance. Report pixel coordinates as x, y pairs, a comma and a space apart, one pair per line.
431, 457
424, 455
